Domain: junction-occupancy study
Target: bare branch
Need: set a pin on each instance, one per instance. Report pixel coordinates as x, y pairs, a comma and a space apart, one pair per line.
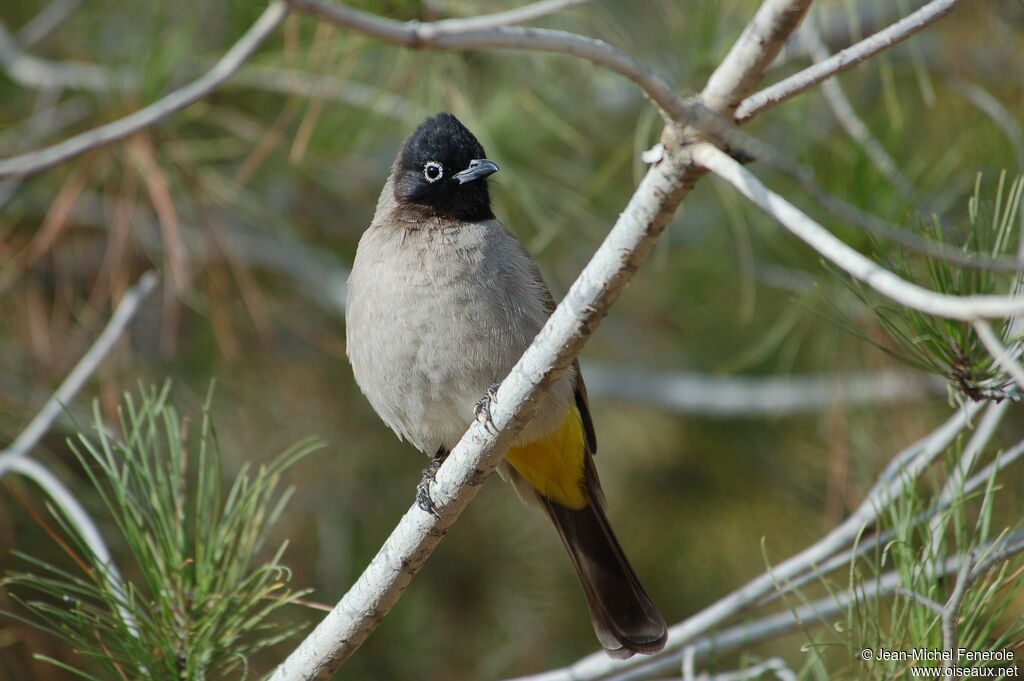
46, 21
954, 485
965, 308
951, 611
754, 397
845, 59
33, 72
1004, 357
907, 465
752, 53
848, 118
327, 87
45, 158
15, 457
86, 366
923, 600
491, 32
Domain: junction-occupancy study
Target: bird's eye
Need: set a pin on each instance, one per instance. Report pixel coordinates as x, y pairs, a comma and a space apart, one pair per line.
433, 171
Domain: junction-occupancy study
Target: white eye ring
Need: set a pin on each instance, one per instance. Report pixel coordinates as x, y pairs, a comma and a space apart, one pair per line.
433, 171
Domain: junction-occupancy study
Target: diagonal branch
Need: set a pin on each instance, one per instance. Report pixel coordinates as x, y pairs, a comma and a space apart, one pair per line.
967, 308
85, 368
845, 59
42, 159
752, 53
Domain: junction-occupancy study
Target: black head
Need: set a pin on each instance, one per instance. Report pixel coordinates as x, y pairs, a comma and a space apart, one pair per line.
442, 169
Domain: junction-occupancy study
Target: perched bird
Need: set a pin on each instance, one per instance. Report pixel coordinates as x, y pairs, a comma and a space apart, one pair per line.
442, 301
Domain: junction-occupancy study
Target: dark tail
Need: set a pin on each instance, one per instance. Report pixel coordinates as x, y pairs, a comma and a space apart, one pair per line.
625, 620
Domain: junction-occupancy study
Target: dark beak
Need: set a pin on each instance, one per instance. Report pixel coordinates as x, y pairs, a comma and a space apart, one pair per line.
478, 168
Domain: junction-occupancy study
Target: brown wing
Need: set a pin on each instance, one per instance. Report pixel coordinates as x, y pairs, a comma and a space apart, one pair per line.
584, 406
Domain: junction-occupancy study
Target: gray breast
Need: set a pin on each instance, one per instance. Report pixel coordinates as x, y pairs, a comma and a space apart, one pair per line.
435, 315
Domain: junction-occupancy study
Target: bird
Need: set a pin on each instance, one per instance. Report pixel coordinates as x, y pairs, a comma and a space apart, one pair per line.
442, 300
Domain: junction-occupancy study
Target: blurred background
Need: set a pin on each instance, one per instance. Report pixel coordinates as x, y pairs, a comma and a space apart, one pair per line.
250, 204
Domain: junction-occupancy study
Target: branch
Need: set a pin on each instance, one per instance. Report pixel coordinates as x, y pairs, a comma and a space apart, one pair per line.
482, 447
46, 21
845, 59
552, 351
753, 397
33, 72
79, 144
966, 308
15, 457
752, 53
492, 32
848, 118
954, 485
907, 465
742, 635
86, 366
1005, 358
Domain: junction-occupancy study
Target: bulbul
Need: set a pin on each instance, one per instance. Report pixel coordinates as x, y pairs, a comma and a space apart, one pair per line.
442, 301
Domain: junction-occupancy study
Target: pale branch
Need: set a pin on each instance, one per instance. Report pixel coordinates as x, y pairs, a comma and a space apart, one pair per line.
316, 86
845, 59
33, 72
994, 109
46, 21
518, 15
85, 368
15, 457
755, 397
776, 665
752, 53
742, 635
864, 545
35, 161
966, 308
918, 598
1007, 359
951, 610
907, 465
80, 521
482, 447
552, 351
463, 34
848, 118
953, 487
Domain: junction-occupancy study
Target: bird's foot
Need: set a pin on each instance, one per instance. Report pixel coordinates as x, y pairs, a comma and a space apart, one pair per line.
423, 499
482, 410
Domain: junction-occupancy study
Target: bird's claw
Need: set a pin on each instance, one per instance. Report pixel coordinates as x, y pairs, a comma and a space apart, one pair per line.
423, 499
482, 410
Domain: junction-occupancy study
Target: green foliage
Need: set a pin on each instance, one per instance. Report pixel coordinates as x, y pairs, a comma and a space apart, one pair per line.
202, 598
921, 536
947, 347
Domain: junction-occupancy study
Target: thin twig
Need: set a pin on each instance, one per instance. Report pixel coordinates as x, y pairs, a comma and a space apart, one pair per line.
907, 465
951, 610
1007, 359
755, 397
923, 600
493, 33
845, 59
848, 118
46, 21
35, 161
742, 635
33, 72
85, 368
967, 308
15, 457
954, 486
752, 53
